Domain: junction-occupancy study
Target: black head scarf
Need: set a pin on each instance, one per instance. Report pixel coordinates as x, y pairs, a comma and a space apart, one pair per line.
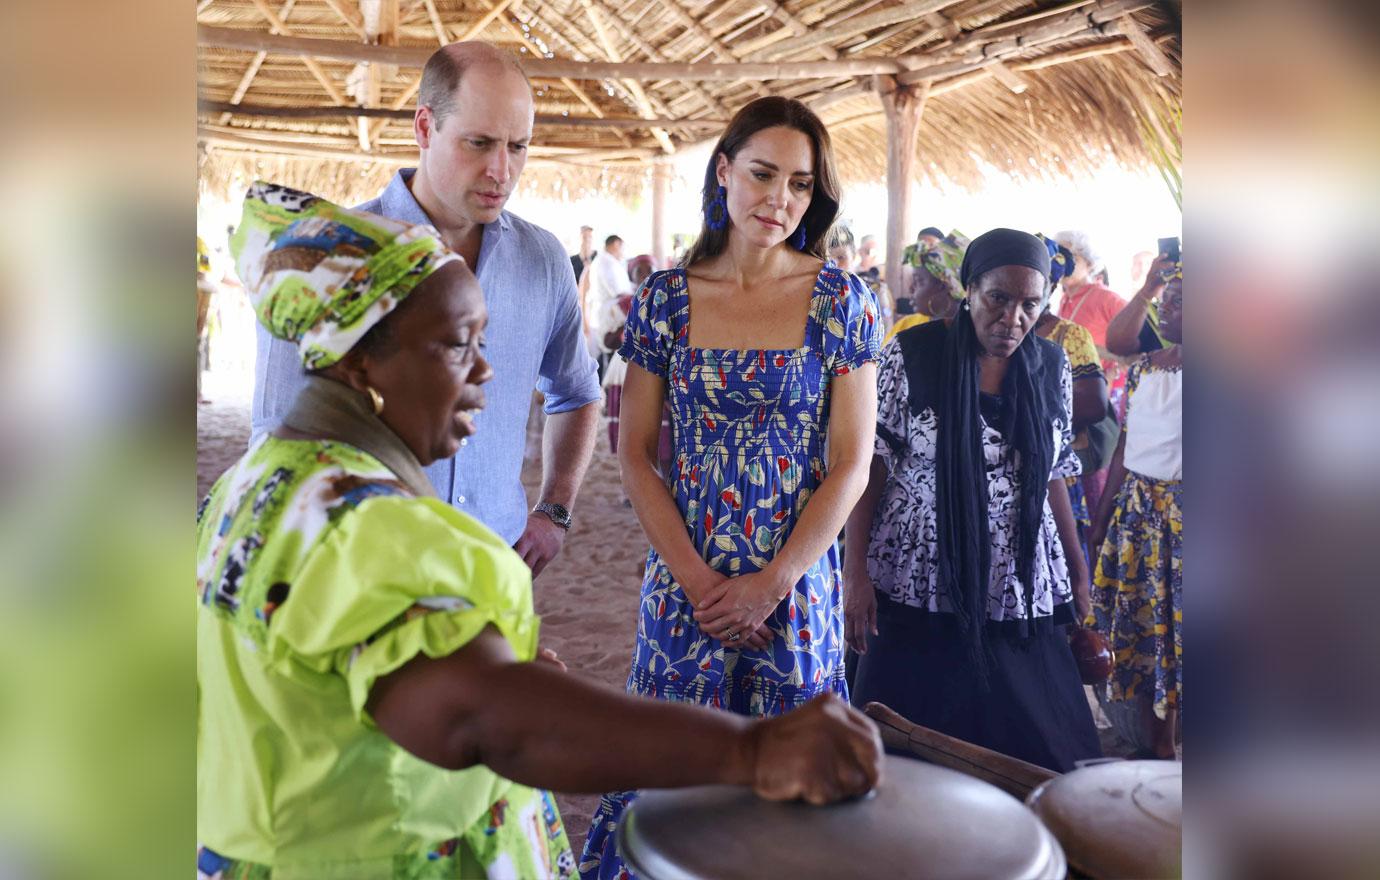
1030, 401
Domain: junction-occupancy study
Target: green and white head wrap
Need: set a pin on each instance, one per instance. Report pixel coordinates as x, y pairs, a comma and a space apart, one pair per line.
320, 275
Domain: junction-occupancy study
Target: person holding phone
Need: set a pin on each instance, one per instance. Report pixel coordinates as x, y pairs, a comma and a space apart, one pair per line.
1137, 535
1136, 328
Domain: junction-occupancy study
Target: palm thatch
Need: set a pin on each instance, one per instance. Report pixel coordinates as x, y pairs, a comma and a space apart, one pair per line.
1033, 89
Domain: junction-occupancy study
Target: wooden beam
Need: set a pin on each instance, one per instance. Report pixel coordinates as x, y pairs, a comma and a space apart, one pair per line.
435, 18
829, 99
350, 16
1046, 29
1007, 77
904, 106
327, 111
881, 18
285, 33
1158, 61
398, 157
639, 96
943, 87
570, 84
552, 68
715, 45
653, 54
381, 27
1080, 23
477, 28
799, 28
253, 69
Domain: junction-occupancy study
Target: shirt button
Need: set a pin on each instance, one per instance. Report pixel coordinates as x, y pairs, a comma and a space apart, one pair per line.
464, 441
460, 499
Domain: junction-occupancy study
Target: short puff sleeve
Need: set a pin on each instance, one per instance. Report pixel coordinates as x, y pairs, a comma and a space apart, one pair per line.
394, 579
1078, 345
648, 336
852, 328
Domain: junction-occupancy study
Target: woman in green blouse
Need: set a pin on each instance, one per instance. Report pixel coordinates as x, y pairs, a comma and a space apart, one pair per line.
368, 704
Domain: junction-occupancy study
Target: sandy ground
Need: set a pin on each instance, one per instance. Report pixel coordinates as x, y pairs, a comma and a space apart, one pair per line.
587, 597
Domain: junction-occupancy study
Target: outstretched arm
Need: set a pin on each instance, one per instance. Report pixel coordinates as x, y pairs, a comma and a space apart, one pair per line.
538, 726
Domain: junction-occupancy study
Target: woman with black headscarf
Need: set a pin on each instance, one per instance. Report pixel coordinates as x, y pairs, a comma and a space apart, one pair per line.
963, 561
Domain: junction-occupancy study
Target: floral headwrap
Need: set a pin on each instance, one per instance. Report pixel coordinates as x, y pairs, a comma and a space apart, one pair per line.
942, 259
320, 275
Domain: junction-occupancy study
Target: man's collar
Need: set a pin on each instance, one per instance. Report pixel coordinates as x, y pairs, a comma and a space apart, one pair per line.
399, 203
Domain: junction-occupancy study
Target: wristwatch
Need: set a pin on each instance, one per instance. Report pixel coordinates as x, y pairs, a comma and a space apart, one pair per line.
557, 513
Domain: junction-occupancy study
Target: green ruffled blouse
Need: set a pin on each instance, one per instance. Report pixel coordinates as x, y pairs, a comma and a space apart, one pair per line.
317, 573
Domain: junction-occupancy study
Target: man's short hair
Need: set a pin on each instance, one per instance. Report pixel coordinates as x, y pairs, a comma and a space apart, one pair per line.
443, 70
611, 241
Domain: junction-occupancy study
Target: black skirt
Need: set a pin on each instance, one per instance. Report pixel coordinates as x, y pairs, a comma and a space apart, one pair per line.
1033, 707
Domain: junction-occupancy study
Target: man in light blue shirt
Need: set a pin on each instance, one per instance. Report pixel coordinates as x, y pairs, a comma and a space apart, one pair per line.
473, 123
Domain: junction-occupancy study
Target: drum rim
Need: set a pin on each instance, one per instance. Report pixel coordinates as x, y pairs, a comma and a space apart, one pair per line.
645, 862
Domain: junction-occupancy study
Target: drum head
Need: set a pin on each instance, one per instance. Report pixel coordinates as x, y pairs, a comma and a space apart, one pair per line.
923, 822
1120, 819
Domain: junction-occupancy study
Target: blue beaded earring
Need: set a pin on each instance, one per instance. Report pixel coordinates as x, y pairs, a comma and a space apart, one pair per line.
716, 210
799, 238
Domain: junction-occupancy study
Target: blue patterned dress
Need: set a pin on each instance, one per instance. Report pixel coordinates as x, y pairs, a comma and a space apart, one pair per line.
749, 434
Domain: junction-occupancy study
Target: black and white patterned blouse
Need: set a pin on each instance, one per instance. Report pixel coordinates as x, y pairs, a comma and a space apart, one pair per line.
902, 551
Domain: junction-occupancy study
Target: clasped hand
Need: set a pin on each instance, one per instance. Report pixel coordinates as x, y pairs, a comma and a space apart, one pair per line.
741, 606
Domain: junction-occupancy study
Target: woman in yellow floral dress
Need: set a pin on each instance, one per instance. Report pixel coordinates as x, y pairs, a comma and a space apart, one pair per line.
1138, 584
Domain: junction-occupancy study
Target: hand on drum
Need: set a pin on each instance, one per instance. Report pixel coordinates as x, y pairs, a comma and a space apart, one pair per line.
735, 610
823, 752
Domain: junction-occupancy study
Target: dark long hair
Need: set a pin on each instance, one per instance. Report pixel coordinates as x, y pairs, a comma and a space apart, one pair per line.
761, 114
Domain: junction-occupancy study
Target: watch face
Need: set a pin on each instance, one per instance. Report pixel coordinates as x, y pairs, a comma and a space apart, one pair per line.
558, 513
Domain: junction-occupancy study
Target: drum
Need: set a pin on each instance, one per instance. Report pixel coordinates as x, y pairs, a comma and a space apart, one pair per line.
923, 822
1117, 819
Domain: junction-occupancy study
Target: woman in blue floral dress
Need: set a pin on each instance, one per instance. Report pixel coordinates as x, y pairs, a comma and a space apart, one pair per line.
764, 352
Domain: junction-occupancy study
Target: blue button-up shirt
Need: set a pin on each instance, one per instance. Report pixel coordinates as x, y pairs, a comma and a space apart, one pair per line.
535, 339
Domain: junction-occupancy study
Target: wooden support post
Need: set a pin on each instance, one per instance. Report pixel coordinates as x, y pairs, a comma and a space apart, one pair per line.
661, 185
904, 106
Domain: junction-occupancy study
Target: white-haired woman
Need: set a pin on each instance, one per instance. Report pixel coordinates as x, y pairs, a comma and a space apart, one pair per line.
1086, 300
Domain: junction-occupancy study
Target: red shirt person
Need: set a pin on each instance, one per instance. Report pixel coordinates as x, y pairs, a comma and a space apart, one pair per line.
1086, 301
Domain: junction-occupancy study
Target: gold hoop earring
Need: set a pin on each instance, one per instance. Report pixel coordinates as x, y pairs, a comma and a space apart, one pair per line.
376, 398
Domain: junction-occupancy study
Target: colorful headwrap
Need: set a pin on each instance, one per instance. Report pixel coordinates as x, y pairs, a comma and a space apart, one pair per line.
943, 260
1060, 259
320, 275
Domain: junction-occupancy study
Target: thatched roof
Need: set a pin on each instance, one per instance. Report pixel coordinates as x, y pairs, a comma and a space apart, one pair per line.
1031, 88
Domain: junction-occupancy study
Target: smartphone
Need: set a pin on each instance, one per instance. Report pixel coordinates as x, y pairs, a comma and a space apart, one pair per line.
1170, 246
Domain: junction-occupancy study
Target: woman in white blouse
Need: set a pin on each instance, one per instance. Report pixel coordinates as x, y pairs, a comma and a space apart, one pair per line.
963, 563
1137, 535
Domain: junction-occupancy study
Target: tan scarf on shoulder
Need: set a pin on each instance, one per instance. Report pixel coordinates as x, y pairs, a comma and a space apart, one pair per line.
332, 410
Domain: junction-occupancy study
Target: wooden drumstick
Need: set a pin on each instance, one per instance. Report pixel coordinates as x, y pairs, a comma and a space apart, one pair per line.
1011, 775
